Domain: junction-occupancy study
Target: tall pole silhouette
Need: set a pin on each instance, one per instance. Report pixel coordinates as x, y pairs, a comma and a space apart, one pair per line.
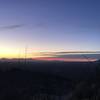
19, 57
25, 55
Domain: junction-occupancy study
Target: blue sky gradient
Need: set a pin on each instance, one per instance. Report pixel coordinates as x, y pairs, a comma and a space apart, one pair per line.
50, 25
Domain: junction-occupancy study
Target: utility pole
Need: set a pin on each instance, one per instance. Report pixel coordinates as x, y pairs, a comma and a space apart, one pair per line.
25, 55
19, 57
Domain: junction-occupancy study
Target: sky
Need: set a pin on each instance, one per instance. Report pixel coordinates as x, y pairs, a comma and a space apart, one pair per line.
48, 26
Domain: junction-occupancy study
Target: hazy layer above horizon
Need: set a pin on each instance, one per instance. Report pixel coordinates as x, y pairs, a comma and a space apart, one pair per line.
30, 26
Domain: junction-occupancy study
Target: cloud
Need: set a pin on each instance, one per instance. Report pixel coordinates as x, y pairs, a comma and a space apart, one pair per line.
86, 54
16, 26
10, 27
72, 52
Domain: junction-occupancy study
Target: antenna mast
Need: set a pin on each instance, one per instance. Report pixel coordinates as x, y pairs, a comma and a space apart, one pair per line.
25, 54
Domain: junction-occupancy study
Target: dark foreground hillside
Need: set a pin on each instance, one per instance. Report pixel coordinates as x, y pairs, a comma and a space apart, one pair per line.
48, 81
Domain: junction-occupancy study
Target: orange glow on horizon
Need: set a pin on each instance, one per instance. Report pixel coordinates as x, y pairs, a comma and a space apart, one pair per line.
65, 59
8, 52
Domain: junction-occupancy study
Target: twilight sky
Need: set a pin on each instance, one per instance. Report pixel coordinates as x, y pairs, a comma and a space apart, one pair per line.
49, 25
